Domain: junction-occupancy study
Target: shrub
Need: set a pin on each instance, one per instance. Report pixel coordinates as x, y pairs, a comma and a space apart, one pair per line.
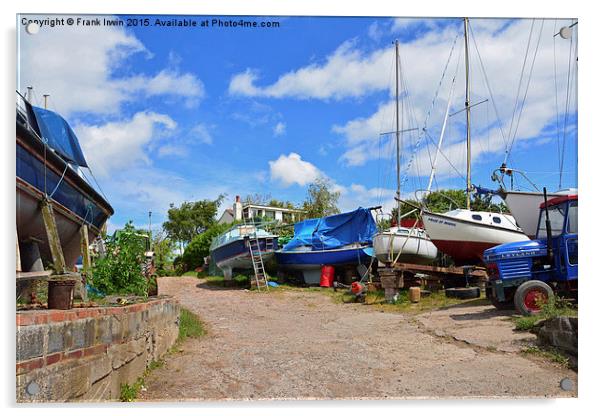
198, 249
120, 270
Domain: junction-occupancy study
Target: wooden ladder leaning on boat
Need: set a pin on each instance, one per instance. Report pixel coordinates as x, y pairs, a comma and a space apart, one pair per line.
261, 279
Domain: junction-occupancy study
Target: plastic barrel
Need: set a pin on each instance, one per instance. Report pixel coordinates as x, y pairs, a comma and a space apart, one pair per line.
327, 276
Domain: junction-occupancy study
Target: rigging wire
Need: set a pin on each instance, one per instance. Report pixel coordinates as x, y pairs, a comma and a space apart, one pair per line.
520, 83
487, 83
522, 106
556, 99
424, 133
566, 110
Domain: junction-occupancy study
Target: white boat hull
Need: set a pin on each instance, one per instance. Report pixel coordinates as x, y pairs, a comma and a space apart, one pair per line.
465, 240
525, 207
390, 246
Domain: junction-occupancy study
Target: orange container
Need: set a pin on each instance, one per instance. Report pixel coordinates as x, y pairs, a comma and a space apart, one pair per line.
327, 276
414, 294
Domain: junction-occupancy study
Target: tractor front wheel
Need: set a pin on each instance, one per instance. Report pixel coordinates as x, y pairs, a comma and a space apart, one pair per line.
531, 295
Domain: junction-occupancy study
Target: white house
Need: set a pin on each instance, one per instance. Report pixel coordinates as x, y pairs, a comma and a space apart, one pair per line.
250, 211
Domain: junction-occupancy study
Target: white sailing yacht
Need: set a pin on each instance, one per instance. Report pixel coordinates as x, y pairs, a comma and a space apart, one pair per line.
464, 234
402, 244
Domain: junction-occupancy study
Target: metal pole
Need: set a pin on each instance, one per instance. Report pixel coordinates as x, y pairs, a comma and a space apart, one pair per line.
150, 236
46, 101
467, 107
398, 193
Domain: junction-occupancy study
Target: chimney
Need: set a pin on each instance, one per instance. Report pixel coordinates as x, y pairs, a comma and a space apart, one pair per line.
237, 209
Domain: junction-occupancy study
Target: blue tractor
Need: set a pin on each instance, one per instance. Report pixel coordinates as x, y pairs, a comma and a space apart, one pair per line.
525, 274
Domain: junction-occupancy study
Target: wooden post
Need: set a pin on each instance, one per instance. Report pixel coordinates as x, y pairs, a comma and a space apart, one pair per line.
52, 233
18, 252
85, 249
80, 291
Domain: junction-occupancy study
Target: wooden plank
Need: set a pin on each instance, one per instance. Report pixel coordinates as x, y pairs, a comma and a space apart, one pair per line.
54, 241
85, 249
40, 275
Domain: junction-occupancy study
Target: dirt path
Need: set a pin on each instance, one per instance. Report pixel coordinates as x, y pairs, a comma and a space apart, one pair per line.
294, 344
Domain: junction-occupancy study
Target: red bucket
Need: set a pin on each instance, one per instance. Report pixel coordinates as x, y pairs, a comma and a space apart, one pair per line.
327, 276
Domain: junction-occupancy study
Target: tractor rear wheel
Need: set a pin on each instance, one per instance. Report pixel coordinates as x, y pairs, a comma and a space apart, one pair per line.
531, 296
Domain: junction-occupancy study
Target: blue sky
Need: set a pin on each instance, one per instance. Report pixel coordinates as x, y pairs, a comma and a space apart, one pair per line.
172, 114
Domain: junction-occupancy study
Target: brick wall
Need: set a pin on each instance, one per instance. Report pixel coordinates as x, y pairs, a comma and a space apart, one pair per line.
86, 354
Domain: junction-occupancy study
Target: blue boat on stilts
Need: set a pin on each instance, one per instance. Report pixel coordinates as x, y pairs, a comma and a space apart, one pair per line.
336, 240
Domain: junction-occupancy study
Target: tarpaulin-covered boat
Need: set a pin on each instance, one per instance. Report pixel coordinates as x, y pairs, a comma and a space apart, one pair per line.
342, 239
48, 159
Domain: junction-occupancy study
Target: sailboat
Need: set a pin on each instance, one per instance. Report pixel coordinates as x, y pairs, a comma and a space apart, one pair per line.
398, 243
525, 205
464, 234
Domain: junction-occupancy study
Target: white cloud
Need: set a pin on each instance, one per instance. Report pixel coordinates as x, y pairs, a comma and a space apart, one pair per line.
502, 44
121, 144
79, 67
201, 133
291, 169
279, 129
172, 150
345, 73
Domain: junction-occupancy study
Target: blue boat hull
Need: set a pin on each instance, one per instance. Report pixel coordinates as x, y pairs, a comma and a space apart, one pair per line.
305, 260
236, 255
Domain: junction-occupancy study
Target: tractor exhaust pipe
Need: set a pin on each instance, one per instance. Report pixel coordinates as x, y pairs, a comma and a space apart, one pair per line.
548, 228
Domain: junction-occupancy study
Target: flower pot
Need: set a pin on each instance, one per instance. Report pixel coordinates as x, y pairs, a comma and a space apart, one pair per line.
60, 294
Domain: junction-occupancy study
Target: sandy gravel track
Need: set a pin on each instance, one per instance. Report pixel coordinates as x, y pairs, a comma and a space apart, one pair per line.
302, 345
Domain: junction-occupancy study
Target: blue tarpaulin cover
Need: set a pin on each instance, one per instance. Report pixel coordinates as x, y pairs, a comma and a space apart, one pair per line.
59, 135
334, 231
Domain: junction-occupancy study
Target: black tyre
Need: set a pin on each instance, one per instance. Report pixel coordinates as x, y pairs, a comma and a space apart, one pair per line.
463, 292
530, 296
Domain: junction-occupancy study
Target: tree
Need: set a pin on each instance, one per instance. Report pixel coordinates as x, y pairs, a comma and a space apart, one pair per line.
120, 272
198, 248
281, 204
164, 248
321, 201
441, 201
445, 200
190, 219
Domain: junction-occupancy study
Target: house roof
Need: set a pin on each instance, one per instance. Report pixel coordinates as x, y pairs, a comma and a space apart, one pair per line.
272, 208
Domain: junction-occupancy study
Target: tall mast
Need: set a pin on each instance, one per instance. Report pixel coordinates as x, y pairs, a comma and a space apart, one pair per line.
397, 129
467, 108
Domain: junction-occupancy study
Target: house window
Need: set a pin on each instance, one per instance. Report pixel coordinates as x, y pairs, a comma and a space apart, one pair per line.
270, 214
477, 217
287, 217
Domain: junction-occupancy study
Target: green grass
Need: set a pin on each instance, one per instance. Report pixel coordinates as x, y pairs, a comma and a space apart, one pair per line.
435, 300
553, 308
376, 299
190, 326
219, 281
551, 354
190, 273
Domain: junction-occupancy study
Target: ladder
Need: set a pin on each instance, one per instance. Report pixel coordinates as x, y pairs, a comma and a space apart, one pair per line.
261, 279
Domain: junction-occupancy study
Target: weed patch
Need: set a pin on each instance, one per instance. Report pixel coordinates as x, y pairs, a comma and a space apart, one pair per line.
190, 326
551, 354
555, 307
